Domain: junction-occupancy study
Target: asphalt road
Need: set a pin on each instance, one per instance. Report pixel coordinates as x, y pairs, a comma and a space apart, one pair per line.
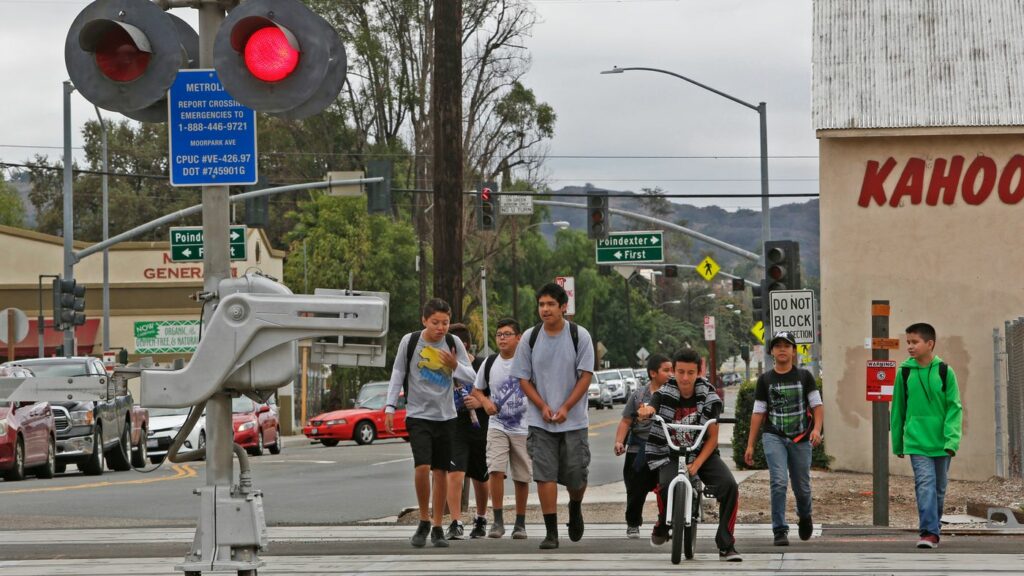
305, 484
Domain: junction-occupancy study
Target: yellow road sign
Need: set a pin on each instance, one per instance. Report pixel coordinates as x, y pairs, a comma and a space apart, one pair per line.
708, 268
758, 331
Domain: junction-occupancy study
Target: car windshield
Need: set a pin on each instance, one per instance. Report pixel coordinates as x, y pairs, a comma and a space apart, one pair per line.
59, 369
242, 405
168, 412
627, 374
374, 402
608, 376
371, 389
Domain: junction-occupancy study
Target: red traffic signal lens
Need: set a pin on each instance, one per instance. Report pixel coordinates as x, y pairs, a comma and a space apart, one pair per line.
269, 55
597, 216
485, 194
776, 272
118, 57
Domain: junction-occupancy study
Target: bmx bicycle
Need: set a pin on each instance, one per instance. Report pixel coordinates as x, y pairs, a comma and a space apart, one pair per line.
685, 493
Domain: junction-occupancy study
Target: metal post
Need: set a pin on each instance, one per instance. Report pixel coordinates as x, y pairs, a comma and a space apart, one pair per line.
997, 371
766, 218
40, 320
11, 326
69, 227
483, 304
880, 422
106, 233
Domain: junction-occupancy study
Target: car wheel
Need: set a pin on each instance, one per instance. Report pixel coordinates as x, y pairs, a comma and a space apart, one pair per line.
140, 456
364, 433
17, 471
201, 444
49, 469
119, 457
329, 442
94, 465
275, 448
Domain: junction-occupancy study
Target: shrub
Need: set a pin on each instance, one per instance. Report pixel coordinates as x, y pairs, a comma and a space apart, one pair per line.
740, 431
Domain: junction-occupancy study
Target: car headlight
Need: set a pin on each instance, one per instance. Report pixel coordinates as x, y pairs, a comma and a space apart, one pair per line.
3, 426
81, 418
336, 422
247, 426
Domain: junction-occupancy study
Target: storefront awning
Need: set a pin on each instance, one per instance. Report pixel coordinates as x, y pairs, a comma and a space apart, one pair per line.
29, 346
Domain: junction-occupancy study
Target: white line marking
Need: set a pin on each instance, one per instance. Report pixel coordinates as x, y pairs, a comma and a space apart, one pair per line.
392, 461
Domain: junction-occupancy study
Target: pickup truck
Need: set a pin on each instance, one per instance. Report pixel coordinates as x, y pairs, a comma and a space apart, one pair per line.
110, 432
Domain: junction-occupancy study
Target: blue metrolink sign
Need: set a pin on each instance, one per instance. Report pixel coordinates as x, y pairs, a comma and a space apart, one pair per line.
212, 136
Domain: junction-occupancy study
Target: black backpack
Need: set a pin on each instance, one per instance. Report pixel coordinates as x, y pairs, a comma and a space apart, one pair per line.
574, 332
905, 372
488, 363
410, 351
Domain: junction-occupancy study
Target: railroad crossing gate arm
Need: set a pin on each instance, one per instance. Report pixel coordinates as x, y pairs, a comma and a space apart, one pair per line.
247, 345
79, 389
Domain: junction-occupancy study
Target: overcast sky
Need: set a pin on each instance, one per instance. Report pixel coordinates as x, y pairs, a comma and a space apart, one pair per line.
755, 50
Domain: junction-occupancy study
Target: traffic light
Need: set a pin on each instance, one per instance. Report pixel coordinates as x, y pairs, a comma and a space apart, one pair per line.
68, 304
486, 214
757, 302
279, 57
739, 284
123, 55
378, 194
597, 208
782, 265
671, 271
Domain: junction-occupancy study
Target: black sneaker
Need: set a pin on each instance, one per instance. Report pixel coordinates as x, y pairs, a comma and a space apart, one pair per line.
782, 538
660, 534
479, 528
806, 528
419, 538
455, 530
549, 543
575, 524
437, 537
730, 555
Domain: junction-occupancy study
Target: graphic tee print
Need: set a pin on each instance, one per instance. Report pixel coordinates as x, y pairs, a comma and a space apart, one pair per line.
686, 413
432, 370
507, 396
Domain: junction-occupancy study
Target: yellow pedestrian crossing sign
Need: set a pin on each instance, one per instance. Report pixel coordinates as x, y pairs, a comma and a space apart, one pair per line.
708, 268
758, 331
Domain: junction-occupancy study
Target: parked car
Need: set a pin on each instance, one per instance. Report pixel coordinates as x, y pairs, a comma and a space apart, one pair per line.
632, 383
364, 423
615, 382
599, 395
732, 378
164, 424
256, 426
92, 435
28, 435
371, 389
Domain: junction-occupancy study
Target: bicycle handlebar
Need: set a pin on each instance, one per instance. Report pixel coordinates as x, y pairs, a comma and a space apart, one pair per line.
703, 429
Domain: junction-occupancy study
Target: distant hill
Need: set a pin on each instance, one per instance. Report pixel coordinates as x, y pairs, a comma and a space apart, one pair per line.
741, 228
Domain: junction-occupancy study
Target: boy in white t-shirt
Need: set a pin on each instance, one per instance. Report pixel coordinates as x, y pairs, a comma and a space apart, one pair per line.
506, 435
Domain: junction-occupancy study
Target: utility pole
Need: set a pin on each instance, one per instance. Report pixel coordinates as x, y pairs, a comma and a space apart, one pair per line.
69, 206
446, 109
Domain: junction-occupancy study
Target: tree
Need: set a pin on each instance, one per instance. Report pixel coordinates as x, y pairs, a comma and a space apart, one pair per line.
12, 210
335, 239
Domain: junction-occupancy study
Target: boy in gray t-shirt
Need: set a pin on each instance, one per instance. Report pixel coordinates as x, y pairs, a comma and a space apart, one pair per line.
430, 409
554, 363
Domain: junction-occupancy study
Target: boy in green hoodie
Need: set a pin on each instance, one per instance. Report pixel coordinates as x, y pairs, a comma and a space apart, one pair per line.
926, 423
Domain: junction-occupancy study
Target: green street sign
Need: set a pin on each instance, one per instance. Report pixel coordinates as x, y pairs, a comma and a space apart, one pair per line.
644, 247
187, 243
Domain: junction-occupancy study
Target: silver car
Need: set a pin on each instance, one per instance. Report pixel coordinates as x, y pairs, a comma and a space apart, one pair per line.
616, 384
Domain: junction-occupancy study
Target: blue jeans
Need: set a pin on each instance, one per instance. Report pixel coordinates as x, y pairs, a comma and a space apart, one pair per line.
931, 473
792, 459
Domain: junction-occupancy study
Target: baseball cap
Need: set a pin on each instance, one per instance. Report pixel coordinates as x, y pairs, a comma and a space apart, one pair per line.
784, 337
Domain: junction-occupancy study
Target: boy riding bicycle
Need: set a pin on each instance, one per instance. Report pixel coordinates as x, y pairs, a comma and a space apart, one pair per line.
690, 399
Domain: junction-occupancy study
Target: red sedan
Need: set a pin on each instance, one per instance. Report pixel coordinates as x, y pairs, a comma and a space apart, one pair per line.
256, 426
363, 424
28, 435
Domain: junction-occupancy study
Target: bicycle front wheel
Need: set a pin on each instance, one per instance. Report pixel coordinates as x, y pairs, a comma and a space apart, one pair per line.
679, 529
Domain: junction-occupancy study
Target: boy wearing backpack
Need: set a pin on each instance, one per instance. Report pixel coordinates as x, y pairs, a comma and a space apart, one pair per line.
783, 400
926, 423
425, 364
506, 434
554, 363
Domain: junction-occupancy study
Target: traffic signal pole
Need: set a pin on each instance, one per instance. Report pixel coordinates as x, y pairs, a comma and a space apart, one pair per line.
69, 226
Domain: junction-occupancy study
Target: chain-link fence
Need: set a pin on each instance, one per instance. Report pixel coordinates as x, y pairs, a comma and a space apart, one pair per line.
1015, 396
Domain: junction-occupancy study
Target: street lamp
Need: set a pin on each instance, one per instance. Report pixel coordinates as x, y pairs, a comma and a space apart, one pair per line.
761, 110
